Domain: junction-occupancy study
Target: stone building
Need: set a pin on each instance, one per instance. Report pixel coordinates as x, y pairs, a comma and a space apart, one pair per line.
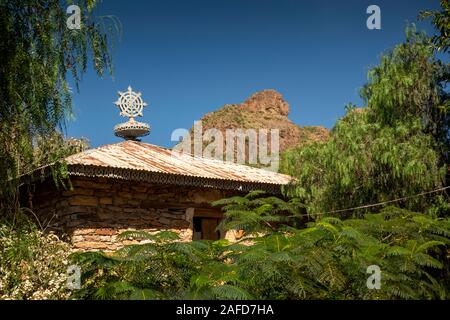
140, 186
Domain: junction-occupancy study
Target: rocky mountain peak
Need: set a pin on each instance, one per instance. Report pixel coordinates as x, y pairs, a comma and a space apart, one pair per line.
265, 109
268, 102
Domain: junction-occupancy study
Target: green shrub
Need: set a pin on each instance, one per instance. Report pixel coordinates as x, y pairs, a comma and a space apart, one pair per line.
33, 265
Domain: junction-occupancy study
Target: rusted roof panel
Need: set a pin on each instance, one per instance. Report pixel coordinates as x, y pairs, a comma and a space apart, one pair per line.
134, 155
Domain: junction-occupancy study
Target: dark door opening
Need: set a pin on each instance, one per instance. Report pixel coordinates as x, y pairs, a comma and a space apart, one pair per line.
205, 228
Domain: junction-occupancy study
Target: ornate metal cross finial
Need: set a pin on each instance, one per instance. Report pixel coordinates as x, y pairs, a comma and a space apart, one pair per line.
130, 103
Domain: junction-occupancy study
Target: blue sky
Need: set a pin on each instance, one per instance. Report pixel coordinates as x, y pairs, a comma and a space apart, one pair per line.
191, 57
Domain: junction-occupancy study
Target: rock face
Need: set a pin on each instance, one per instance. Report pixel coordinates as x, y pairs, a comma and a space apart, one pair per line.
266, 109
268, 102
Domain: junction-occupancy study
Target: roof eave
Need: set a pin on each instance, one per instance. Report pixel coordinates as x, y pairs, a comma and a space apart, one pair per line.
170, 178
79, 170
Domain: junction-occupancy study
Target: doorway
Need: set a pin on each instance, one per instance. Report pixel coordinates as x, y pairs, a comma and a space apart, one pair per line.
205, 222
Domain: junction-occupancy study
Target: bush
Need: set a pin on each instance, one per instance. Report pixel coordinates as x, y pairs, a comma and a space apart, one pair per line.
33, 265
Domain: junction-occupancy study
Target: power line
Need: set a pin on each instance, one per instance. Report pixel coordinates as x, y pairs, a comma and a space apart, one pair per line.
377, 204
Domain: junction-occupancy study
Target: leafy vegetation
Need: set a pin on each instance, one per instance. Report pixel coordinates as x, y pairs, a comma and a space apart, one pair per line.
33, 264
441, 21
38, 54
393, 148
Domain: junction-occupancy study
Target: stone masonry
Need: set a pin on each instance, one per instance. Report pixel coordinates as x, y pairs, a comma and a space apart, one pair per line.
98, 209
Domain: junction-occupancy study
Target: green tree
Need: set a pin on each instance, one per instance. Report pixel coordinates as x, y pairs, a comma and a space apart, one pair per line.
38, 54
410, 84
394, 147
441, 21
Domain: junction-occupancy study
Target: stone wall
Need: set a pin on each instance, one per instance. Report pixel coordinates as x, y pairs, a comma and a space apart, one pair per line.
98, 209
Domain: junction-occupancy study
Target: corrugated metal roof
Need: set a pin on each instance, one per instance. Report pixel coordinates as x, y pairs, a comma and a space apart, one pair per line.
146, 157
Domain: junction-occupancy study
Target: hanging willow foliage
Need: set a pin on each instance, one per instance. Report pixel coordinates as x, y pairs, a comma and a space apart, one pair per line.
38, 52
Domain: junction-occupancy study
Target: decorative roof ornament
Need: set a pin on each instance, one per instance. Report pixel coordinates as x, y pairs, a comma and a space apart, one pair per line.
131, 105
